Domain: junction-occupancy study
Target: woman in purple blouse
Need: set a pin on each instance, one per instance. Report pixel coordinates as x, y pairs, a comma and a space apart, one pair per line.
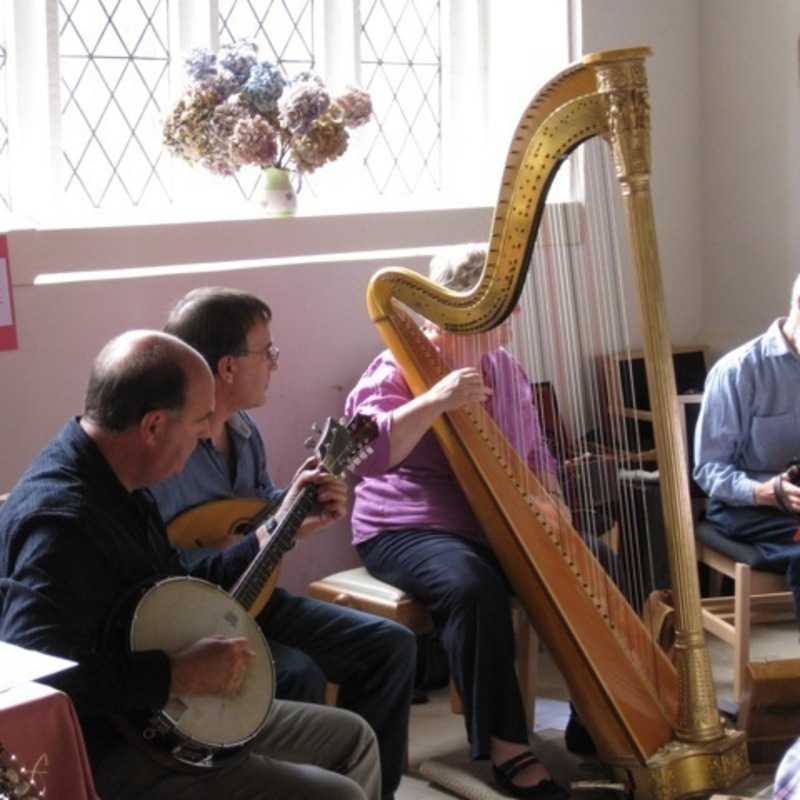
413, 527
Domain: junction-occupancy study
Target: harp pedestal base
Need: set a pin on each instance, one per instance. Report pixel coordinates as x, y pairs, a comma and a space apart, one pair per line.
682, 770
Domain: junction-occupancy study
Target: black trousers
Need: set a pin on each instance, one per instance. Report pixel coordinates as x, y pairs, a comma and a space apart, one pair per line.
373, 660
462, 584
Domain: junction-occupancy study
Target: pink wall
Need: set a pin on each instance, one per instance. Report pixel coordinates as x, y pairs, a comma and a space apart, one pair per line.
320, 320
320, 324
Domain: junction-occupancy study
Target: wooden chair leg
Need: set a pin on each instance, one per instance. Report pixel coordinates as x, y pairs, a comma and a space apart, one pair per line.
741, 622
331, 697
456, 706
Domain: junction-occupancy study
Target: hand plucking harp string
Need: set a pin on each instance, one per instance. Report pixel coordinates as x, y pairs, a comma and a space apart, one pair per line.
459, 388
413, 419
212, 665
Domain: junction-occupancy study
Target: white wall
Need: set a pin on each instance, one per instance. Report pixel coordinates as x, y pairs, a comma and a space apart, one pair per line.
671, 29
751, 165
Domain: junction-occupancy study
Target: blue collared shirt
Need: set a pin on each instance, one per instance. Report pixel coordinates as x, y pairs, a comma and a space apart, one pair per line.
749, 424
787, 778
208, 476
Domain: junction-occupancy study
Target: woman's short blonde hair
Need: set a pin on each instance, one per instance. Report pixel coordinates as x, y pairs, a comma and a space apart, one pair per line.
458, 268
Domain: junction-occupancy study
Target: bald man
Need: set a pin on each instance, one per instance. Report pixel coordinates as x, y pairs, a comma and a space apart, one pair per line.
79, 533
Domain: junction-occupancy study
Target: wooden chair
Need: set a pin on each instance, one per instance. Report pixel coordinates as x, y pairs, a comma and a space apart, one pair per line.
760, 595
356, 588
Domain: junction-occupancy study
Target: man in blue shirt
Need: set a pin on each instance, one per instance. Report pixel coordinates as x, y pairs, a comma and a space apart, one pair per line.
747, 434
371, 659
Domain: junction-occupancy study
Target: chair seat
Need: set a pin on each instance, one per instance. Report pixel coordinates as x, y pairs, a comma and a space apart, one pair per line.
709, 535
356, 588
759, 594
359, 581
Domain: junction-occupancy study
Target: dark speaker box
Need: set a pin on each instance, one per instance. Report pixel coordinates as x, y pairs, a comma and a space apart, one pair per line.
690, 376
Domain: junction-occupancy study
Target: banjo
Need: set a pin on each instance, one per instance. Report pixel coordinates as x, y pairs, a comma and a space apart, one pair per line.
208, 731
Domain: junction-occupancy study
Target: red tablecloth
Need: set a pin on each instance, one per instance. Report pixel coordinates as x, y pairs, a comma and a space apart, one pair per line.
39, 725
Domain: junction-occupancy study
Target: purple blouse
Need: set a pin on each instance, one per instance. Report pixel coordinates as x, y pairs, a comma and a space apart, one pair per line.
421, 491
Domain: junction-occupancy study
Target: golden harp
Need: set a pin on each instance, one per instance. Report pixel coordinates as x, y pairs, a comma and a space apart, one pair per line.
656, 724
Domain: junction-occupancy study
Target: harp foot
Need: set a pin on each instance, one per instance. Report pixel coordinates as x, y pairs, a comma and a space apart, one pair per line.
681, 770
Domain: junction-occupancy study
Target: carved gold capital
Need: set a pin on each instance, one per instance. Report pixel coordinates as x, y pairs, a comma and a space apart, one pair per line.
624, 84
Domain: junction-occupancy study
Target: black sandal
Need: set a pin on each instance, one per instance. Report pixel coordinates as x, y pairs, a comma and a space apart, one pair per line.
505, 773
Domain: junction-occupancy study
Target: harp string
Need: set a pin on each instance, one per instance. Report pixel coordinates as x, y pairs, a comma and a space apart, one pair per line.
605, 242
573, 318
571, 323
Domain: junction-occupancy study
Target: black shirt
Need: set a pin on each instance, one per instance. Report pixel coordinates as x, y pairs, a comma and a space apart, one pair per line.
74, 545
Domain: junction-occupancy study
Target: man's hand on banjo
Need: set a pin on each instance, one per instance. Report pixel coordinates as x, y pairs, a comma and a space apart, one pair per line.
209, 666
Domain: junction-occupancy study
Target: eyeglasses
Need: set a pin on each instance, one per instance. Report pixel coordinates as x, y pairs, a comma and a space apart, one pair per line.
270, 352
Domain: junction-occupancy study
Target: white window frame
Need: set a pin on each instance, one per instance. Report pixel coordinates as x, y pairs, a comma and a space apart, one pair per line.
469, 171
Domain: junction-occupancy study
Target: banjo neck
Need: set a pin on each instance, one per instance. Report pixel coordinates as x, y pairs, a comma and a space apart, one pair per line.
282, 538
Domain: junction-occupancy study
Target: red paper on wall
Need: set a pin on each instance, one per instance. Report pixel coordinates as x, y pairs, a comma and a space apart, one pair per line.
8, 328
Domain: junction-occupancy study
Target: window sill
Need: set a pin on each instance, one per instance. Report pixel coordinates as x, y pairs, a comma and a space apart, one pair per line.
184, 212
240, 236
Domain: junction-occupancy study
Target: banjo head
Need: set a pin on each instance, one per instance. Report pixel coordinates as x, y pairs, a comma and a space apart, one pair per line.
178, 611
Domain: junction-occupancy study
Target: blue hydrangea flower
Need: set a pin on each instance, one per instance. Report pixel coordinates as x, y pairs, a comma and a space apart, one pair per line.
264, 86
238, 59
200, 64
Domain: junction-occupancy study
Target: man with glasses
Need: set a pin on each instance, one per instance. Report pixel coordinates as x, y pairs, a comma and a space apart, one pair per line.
371, 659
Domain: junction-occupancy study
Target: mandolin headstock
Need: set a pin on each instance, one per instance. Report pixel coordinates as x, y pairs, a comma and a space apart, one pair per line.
345, 443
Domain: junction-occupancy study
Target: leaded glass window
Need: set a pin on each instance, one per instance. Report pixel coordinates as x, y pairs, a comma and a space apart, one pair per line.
282, 29
284, 33
401, 67
114, 61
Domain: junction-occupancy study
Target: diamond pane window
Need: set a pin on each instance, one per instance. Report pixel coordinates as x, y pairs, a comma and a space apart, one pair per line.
282, 29
5, 196
284, 33
114, 61
401, 67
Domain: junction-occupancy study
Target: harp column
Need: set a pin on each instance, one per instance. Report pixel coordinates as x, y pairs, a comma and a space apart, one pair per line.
624, 84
